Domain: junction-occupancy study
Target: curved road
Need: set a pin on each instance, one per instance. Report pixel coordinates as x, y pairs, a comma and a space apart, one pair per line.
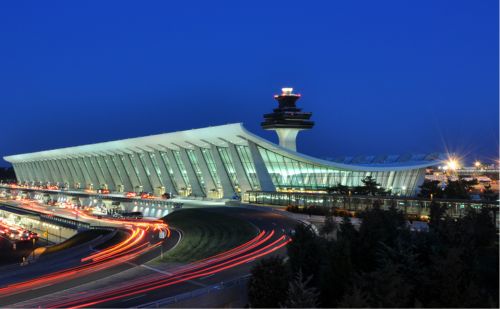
129, 286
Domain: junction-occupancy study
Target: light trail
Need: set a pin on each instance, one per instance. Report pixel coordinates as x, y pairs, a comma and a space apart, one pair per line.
227, 254
55, 276
133, 246
112, 249
77, 271
118, 252
215, 264
176, 280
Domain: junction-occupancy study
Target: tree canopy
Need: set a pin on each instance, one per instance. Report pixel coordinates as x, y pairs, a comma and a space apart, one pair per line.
369, 187
268, 285
384, 264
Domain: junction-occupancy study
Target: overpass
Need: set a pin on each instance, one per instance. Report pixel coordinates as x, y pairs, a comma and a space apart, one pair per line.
150, 207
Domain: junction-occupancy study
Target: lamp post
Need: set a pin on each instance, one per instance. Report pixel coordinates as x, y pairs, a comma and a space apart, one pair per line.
350, 193
452, 165
33, 241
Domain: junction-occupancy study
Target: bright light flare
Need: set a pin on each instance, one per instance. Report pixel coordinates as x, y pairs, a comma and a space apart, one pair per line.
452, 164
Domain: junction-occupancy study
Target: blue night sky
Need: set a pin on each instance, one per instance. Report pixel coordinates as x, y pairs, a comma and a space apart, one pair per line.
381, 77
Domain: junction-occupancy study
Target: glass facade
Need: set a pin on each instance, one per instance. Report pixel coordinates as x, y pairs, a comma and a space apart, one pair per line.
145, 168
78, 170
85, 171
152, 157
114, 161
182, 168
131, 158
196, 168
287, 173
277, 170
144, 165
128, 171
212, 168
229, 167
60, 174
100, 168
168, 166
410, 206
248, 165
94, 171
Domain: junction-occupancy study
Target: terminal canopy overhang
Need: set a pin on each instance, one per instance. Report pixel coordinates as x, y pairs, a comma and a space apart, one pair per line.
218, 161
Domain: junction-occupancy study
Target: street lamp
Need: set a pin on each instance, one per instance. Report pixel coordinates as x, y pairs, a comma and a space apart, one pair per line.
453, 164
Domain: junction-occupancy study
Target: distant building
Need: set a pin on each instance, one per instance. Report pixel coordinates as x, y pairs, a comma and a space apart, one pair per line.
489, 171
217, 162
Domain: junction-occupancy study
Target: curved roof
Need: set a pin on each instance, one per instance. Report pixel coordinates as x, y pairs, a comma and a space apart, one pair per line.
220, 136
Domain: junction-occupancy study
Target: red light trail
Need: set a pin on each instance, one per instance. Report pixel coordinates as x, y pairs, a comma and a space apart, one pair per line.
128, 249
135, 245
261, 245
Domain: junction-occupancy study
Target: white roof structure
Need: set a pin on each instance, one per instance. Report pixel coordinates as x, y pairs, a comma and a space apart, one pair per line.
234, 133
221, 161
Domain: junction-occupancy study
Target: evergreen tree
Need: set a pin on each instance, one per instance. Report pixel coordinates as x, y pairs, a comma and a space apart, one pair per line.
386, 287
300, 294
489, 194
449, 273
268, 285
436, 215
371, 187
458, 189
384, 264
329, 225
378, 226
305, 252
347, 231
7, 174
430, 187
356, 298
337, 271
339, 189
479, 228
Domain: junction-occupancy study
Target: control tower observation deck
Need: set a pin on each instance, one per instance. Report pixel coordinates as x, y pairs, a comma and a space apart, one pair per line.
287, 120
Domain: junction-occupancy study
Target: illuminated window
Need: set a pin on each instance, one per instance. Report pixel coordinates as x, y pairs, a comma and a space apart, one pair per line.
248, 166
229, 167
182, 168
196, 167
124, 159
116, 168
152, 157
168, 166
212, 168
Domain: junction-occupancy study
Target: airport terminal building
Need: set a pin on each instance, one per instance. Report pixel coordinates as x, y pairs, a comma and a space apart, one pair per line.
217, 162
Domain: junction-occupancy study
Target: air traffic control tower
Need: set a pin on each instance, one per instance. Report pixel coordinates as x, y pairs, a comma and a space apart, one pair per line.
287, 120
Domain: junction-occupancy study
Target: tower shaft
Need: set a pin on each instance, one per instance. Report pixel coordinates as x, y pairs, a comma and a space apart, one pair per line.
287, 137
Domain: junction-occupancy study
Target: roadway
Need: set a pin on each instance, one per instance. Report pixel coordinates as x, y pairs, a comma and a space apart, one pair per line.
75, 267
139, 282
9, 295
265, 221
